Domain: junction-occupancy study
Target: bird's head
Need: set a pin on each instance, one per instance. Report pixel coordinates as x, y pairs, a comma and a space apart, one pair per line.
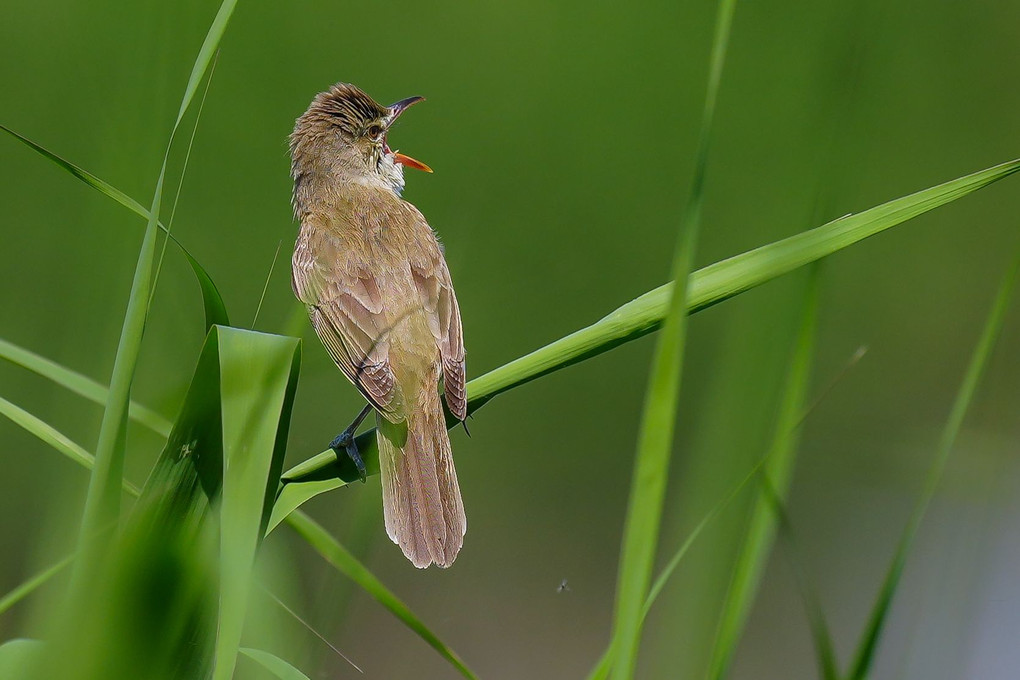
344, 132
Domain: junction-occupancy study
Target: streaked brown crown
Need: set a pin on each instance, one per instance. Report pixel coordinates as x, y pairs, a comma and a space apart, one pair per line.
348, 107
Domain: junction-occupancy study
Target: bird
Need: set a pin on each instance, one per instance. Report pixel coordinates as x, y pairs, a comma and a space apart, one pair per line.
372, 274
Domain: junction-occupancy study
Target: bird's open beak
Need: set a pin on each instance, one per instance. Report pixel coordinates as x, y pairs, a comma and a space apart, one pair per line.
396, 110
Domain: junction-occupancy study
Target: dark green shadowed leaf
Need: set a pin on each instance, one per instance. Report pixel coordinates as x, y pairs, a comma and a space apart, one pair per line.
347, 564
274, 664
865, 655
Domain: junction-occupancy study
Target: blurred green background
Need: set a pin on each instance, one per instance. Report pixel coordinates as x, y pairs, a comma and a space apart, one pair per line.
562, 136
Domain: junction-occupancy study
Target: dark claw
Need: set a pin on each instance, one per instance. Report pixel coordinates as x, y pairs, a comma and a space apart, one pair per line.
466, 430
345, 440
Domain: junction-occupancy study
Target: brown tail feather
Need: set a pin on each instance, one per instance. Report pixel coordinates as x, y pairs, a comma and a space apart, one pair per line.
421, 498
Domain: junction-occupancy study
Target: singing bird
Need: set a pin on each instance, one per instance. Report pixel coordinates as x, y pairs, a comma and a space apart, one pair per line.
379, 295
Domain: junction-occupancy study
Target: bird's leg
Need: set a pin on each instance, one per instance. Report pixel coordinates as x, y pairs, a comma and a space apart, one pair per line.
345, 440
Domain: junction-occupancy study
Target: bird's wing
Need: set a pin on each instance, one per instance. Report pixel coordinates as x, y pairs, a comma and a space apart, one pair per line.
436, 290
346, 311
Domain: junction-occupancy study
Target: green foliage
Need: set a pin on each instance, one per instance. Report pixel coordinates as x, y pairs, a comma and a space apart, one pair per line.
166, 595
184, 563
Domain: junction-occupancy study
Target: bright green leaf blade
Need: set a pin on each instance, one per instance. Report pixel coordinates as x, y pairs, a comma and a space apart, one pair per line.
258, 380
274, 664
19, 658
205, 55
215, 310
79, 384
347, 564
655, 438
50, 435
778, 469
102, 501
293, 496
707, 286
975, 370
726, 279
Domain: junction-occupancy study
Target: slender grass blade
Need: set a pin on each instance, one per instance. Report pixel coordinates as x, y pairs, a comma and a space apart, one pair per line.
868, 644
215, 310
347, 564
655, 438
79, 384
50, 435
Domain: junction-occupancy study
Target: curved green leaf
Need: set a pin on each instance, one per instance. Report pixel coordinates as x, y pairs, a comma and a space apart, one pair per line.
19, 658
347, 564
274, 664
215, 310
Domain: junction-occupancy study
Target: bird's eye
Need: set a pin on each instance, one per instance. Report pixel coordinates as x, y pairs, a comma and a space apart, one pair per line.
375, 131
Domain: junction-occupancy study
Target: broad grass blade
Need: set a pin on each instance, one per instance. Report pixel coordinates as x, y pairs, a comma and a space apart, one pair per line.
258, 379
726, 279
197, 525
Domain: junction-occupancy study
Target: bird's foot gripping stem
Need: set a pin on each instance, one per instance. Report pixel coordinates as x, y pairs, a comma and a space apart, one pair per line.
345, 441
